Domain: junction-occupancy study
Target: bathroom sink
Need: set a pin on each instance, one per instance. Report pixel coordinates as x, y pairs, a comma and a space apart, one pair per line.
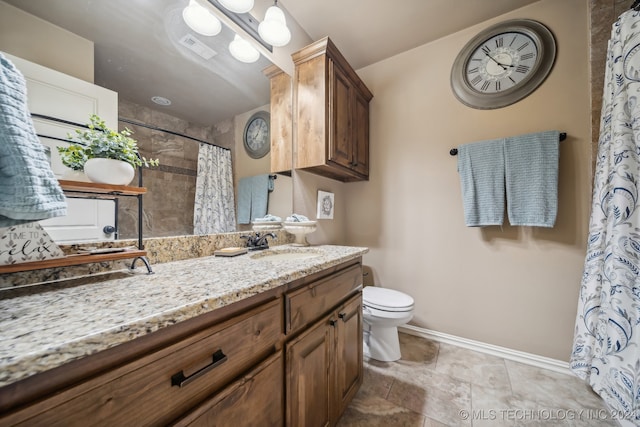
283, 255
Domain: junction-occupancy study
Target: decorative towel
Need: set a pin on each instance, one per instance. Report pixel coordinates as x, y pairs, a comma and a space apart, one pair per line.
29, 190
253, 197
531, 171
297, 218
481, 169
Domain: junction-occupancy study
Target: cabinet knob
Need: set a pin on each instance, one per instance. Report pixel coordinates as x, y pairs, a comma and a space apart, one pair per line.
342, 316
332, 322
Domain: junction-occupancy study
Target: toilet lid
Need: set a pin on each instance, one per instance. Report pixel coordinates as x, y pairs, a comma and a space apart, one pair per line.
386, 299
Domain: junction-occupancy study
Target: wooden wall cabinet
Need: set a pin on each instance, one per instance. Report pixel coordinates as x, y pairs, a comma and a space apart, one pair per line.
281, 114
239, 365
331, 111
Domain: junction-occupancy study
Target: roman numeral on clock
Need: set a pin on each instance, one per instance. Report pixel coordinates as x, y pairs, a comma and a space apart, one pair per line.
485, 85
526, 56
522, 69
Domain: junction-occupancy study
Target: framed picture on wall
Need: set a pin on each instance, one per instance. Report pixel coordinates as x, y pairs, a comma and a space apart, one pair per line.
325, 205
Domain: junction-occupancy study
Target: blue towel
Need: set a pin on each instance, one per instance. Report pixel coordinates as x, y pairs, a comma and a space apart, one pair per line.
259, 196
29, 190
253, 197
481, 169
531, 171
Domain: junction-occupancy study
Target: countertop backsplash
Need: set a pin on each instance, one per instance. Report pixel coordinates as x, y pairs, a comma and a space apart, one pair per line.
159, 250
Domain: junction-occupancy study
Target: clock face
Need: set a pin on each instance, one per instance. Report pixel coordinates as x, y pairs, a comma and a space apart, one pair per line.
257, 140
503, 64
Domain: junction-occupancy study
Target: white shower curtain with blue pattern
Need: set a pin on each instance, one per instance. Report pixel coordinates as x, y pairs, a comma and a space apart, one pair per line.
606, 349
214, 205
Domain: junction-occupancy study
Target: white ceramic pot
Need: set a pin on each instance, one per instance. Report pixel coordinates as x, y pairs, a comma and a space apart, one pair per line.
73, 175
109, 171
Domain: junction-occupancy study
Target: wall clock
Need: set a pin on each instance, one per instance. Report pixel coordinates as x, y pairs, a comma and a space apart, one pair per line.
503, 64
256, 135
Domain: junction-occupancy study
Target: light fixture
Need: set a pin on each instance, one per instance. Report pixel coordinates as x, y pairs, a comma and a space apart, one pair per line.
200, 20
161, 100
237, 6
273, 29
243, 51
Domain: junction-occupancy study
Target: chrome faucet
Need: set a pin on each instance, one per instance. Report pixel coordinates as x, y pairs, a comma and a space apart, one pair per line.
258, 242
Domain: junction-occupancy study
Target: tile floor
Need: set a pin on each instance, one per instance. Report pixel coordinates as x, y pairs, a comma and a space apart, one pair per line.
436, 384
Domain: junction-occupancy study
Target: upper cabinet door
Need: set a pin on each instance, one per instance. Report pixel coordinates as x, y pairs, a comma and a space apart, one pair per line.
340, 113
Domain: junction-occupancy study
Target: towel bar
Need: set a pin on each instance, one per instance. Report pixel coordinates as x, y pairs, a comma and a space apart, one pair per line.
454, 151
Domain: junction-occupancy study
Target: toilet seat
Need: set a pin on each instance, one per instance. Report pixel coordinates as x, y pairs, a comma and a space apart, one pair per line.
386, 299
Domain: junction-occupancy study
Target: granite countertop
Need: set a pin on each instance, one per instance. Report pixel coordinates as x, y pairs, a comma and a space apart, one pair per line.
45, 326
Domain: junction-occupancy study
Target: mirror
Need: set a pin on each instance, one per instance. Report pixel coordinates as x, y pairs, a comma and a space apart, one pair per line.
144, 49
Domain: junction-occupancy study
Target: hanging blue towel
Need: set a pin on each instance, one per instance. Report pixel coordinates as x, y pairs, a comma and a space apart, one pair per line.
260, 196
29, 190
481, 169
531, 171
253, 197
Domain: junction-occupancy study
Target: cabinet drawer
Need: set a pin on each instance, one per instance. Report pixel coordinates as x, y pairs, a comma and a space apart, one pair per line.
254, 400
160, 387
305, 305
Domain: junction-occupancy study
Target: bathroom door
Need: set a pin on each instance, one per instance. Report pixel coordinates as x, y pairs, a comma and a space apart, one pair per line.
58, 95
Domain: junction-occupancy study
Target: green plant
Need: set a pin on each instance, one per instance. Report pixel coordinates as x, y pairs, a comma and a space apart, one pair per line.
73, 156
98, 141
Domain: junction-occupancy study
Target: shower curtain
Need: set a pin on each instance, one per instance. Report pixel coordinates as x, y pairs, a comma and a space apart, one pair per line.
214, 206
606, 349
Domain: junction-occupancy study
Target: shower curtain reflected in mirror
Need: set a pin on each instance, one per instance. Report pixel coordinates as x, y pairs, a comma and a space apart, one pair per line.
606, 349
214, 205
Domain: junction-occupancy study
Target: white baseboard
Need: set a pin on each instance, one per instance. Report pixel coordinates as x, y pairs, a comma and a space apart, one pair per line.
494, 350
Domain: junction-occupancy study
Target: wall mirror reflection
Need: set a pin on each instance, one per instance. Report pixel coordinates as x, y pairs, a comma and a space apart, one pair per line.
176, 89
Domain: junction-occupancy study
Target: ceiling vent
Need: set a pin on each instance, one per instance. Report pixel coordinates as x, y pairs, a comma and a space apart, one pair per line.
191, 42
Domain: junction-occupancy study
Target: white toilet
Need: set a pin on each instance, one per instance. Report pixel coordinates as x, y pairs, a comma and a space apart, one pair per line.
383, 311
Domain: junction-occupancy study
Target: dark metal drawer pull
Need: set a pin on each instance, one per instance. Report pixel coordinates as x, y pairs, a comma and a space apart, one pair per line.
180, 380
343, 316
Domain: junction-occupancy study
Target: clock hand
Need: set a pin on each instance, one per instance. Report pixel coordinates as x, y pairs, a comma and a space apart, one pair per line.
500, 64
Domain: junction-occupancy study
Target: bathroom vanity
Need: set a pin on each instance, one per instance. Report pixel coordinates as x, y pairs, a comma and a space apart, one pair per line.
249, 340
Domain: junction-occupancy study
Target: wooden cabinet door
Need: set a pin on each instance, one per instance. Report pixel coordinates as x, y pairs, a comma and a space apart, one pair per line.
361, 135
254, 400
281, 115
348, 353
340, 131
308, 368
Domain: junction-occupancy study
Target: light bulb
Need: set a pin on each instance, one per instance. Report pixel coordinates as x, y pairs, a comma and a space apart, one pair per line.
243, 51
200, 20
237, 6
273, 29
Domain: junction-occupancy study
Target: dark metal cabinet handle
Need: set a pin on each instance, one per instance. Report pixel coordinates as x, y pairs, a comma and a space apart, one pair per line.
343, 316
180, 380
332, 322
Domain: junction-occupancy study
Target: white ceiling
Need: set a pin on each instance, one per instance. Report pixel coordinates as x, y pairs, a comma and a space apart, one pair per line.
137, 54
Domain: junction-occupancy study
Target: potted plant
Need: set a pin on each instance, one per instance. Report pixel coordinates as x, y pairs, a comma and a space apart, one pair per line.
106, 156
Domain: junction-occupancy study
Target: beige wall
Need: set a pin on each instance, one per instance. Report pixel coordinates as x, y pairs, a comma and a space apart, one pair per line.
36, 40
515, 287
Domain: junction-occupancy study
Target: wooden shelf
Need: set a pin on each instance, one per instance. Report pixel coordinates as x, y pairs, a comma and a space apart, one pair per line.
94, 188
71, 260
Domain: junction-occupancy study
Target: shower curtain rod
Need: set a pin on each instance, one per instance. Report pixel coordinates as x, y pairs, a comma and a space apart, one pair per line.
120, 119
563, 136
144, 125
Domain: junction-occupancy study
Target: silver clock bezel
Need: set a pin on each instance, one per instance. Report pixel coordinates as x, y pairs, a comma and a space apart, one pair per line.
262, 151
546, 45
